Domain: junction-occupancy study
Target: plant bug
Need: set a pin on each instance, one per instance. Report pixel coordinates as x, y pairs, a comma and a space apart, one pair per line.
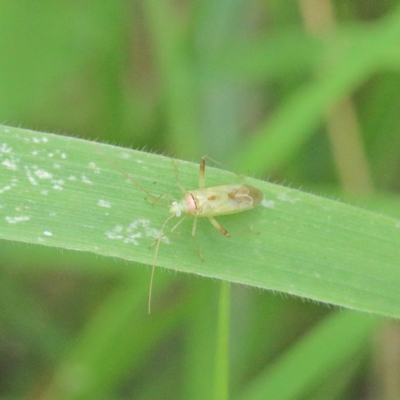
202, 202
208, 202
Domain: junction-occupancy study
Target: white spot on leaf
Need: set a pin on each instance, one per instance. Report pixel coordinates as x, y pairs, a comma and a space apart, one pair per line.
94, 167
104, 203
9, 164
5, 188
42, 174
31, 179
5, 149
268, 203
137, 229
285, 197
85, 179
16, 220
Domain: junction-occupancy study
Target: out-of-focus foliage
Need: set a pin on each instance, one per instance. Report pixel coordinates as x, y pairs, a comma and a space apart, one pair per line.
307, 99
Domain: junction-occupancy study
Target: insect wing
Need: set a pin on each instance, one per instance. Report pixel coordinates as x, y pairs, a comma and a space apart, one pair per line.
225, 199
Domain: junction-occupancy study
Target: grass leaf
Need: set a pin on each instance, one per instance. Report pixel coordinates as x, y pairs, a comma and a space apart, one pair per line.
60, 191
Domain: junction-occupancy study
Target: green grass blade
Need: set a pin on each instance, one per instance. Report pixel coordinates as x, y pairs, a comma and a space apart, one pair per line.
221, 384
354, 60
336, 340
112, 344
59, 191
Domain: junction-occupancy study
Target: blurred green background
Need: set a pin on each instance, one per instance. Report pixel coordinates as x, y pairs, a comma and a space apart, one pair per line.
304, 93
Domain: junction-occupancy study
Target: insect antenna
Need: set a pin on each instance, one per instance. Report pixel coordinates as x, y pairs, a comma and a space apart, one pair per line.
157, 199
157, 243
183, 190
134, 181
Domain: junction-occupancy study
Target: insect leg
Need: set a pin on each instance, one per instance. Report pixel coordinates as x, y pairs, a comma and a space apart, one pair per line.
194, 226
218, 226
157, 243
202, 179
171, 230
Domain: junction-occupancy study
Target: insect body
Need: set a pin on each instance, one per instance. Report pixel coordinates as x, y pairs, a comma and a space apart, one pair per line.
203, 202
217, 200
209, 202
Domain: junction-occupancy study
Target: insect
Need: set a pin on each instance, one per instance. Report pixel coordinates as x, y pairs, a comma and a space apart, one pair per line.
205, 202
